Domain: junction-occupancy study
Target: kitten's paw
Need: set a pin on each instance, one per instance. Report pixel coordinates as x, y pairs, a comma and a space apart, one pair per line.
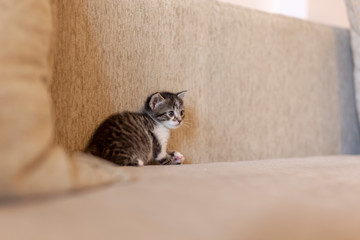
140, 163
177, 158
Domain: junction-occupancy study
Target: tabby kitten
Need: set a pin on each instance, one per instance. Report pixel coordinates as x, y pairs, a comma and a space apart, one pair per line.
137, 139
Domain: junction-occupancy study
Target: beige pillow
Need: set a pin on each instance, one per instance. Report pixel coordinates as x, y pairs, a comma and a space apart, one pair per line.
30, 163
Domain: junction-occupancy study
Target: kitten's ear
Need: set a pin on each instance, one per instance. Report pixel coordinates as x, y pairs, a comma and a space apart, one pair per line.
155, 100
181, 94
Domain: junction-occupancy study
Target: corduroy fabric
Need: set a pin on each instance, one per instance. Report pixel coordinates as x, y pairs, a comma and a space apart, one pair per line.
260, 85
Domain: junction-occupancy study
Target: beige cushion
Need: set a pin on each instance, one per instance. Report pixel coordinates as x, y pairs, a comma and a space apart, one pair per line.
310, 198
260, 85
30, 162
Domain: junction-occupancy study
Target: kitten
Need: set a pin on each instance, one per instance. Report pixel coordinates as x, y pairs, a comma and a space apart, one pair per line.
137, 139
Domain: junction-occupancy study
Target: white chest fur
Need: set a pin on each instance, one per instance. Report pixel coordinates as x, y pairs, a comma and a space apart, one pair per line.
162, 134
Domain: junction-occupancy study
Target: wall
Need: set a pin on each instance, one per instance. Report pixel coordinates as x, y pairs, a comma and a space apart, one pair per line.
330, 12
334, 12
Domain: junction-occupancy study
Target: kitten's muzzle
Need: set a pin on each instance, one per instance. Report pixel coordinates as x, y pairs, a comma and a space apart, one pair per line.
177, 120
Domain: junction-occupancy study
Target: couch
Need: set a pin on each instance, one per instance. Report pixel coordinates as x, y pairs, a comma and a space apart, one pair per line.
271, 138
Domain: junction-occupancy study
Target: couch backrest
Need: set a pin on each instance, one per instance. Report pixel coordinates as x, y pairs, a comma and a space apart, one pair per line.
260, 85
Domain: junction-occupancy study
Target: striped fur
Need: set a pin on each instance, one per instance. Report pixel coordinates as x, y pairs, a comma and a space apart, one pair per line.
136, 139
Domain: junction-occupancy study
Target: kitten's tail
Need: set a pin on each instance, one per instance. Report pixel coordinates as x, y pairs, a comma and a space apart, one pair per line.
91, 149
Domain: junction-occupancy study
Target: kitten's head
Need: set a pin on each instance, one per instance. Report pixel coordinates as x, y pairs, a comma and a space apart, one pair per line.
166, 108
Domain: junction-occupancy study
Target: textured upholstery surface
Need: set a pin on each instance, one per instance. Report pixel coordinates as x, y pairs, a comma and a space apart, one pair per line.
260, 86
30, 163
297, 199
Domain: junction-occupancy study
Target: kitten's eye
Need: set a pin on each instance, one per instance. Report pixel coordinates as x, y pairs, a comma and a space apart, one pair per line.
171, 113
182, 112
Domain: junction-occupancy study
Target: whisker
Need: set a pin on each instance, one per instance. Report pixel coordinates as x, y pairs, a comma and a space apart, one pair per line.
187, 124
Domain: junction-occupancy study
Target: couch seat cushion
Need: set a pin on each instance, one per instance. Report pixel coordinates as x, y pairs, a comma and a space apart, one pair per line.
308, 198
